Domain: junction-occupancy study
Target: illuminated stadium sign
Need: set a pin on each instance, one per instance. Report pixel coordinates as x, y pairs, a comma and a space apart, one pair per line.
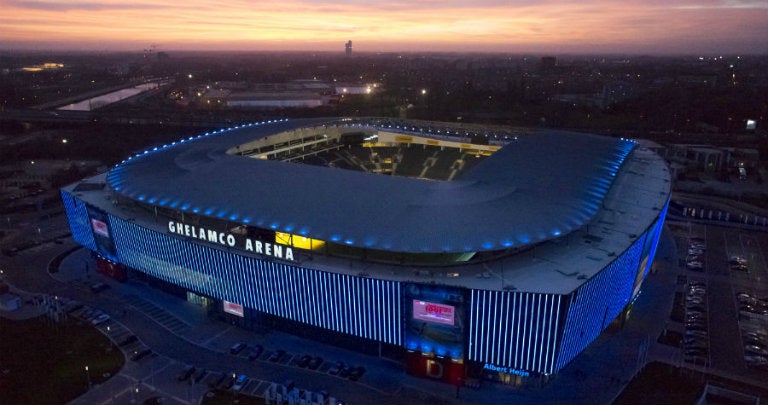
506, 370
227, 239
431, 312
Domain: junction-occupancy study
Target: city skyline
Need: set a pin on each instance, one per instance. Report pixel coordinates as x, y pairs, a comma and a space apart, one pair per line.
644, 26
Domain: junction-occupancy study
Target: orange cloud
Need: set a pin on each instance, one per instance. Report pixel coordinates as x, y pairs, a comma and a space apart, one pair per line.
430, 25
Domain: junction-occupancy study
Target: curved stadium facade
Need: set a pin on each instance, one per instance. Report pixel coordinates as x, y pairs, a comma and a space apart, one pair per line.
468, 252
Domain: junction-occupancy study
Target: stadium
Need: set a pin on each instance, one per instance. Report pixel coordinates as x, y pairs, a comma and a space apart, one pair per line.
462, 251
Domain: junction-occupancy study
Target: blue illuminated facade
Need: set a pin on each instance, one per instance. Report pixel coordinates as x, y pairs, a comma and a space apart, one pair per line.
358, 306
499, 329
531, 332
542, 333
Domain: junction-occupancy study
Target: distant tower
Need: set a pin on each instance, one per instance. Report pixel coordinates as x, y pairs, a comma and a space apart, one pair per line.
348, 49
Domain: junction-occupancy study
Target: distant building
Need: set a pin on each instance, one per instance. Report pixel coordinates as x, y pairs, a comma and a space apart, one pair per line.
294, 94
712, 158
348, 49
276, 100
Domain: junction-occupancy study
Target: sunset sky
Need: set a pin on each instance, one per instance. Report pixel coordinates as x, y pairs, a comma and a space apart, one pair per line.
633, 26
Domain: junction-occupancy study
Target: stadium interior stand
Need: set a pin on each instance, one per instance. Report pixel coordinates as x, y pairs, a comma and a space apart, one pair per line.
407, 160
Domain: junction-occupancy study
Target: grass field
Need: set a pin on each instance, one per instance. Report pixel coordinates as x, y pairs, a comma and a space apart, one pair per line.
43, 362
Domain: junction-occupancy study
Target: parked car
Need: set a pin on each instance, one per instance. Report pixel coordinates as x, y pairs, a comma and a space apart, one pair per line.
695, 351
128, 340
356, 372
276, 356
289, 385
315, 363
694, 298
336, 368
304, 361
140, 354
255, 352
99, 319
344, 372
737, 260
695, 340
696, 333
199, 375
694, 325
756, 350
697, 290
237, 348
740, 267
696, 344
754, 340
755, 359
98, 287
239, 382
695, 328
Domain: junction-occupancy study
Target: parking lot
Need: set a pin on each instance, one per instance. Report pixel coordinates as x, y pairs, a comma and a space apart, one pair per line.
148, 374
722, 300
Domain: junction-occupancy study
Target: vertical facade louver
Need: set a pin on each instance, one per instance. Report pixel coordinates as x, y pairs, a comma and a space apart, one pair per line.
79, 223
535, 332
596, 303
358, 306
515, 329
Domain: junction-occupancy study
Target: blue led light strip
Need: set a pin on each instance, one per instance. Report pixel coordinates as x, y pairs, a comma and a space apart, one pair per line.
333, 301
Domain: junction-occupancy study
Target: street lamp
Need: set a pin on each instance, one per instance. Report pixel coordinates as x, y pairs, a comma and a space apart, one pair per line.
88, 375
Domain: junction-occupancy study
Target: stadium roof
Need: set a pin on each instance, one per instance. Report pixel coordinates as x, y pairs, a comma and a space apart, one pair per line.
538, 187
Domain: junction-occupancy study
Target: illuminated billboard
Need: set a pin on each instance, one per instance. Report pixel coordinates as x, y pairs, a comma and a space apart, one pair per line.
99, 227
234, 309
101, 232
433, 312
435, 319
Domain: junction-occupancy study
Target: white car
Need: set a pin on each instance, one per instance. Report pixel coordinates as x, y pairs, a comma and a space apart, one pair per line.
101, 318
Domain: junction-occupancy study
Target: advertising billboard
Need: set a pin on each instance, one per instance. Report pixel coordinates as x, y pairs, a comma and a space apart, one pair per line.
433, 312
435, 327
99, 227
234, 309
435, 319
102, 235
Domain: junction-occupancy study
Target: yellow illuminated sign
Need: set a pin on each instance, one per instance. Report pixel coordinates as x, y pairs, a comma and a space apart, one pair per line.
301, 242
